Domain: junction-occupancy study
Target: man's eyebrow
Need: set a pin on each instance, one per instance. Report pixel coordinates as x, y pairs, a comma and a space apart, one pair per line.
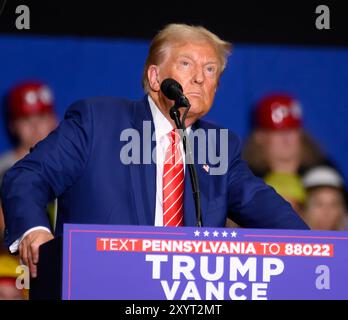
185, 56
190, 57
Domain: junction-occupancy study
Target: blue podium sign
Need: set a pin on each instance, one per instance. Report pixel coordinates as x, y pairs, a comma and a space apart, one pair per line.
138, 262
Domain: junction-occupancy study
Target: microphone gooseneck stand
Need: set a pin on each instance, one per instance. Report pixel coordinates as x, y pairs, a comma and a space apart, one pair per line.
175, 115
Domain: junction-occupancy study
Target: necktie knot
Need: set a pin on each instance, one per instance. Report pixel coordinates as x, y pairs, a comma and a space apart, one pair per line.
173, 153
174, 137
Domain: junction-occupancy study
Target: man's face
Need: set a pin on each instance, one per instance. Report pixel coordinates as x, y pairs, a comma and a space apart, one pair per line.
196, 67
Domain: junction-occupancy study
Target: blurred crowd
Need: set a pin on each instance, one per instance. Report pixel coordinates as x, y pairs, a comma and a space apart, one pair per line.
30, 117
283, 153
278, 150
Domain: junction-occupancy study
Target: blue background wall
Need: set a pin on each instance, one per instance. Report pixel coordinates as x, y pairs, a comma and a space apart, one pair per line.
82, 67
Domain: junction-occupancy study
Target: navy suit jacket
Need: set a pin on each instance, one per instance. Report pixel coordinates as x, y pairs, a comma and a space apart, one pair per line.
79, 163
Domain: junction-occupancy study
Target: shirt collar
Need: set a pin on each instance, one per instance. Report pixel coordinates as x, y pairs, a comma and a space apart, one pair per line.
161, 123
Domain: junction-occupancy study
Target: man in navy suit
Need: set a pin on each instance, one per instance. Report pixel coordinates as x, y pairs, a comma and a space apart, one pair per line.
83, 164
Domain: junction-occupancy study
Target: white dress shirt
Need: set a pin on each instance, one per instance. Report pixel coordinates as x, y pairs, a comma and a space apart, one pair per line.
162, 128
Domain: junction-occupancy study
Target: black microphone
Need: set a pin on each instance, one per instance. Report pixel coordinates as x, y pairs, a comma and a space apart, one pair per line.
173, 91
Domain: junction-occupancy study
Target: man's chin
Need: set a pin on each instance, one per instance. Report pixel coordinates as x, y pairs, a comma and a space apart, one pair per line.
193, 116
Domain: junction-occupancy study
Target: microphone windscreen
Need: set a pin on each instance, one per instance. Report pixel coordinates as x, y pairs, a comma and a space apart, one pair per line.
170, 88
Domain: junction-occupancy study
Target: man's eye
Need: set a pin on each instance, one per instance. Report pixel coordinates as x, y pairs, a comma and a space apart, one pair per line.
185, 63
211, 69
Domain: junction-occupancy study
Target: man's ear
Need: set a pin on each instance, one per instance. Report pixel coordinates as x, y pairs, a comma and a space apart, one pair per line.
152, 76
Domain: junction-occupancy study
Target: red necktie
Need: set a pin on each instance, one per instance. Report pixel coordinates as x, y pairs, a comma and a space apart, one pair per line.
173, 183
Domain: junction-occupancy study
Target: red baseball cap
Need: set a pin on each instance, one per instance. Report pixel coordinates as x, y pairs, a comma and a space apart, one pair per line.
30, 98
278, 111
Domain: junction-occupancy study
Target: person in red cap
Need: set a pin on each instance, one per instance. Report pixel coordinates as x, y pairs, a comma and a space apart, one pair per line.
278, 145
279, 142
31, 117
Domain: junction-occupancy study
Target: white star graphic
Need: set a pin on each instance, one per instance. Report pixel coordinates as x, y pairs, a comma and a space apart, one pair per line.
206, 233
197, 233
233, 234
215, 233
224, 234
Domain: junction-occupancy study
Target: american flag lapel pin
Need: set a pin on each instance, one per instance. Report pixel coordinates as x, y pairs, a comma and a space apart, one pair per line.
206, 168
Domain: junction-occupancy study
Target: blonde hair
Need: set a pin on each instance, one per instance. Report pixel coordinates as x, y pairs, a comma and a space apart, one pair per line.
183, 33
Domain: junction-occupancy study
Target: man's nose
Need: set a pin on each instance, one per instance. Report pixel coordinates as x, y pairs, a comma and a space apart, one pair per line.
198, 76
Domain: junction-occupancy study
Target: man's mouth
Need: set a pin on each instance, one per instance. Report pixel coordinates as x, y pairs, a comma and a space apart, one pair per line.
194, 94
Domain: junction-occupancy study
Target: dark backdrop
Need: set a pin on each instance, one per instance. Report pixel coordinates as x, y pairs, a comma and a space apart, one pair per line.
255, 21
